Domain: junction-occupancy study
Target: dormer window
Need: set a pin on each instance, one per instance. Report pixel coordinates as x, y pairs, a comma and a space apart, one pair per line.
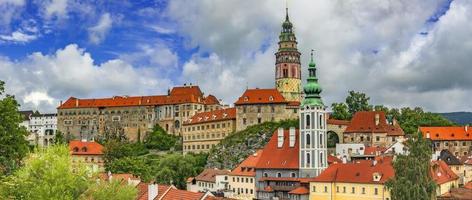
271, 98
246, 99
76, 149
84, 149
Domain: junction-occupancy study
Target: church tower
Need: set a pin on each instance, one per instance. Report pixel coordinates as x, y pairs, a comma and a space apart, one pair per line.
313, 142
287, 64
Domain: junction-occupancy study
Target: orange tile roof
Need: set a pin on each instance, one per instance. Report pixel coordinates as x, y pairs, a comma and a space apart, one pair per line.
468, 185
441, 173
364, 122
209, 175
78, 147
339, 122
358, 172
247, 167
212, 116
285, 157
467, 159
300, 190
447, 133
261, 96
178, 95
176, 194
333, 160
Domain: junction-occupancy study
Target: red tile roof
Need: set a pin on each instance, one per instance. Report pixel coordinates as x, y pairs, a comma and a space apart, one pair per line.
447, 133
78, 147
209, 175
333, 160
285, 157
468, 185
300, 190
339, 122
261, 96
374, 150
178, 95
441, 173
247, 167
467, 159
365, 122
358, 172
165, 192
212, 116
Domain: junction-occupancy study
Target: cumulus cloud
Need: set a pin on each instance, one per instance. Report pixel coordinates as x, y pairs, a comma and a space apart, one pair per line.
98, 32
370, 46
42, 81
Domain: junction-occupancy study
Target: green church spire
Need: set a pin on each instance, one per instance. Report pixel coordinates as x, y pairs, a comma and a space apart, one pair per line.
312, 89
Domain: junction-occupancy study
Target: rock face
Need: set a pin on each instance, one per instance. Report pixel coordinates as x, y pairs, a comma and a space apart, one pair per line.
235, 148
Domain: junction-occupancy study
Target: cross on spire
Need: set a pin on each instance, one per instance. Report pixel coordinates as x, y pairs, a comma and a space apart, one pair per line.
312, 51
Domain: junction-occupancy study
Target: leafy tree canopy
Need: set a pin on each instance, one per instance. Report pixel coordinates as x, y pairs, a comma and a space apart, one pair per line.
159, 139
13, 144
412, 172
48, 174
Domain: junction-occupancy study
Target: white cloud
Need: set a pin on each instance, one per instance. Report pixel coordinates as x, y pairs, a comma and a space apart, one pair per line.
55, 8
10, 9
41, 81
98, 32
18, 37
369, 45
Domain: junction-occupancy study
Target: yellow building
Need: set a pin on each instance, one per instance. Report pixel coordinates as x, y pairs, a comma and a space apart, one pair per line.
363, 180
242, 179
89, 154
204, 130
444, 177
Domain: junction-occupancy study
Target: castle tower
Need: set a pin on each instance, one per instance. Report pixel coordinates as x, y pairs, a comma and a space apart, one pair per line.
313, 142
287, 64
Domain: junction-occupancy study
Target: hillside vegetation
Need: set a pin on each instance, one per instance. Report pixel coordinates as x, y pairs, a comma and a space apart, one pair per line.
236, 147
462, 118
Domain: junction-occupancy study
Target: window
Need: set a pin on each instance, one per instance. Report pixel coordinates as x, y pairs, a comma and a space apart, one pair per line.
294, 175
376, 191
314, 189
337, 188
353, 190
344, 189
279, 174
326, 189
377, 138
259, 120
265, 174
285, 73
308, 158
259, 109
272, 108
363, 190
308, 121
308, 139
244, 121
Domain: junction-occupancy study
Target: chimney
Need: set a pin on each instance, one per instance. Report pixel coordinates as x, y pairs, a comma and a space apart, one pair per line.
60, 103
292, 137
344, 160
374, 162
152, 191
466, 128
428, 136
377, 119
76, 102
280, 137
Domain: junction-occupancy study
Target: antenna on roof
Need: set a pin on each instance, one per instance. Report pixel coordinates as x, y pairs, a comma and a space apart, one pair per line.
247, 85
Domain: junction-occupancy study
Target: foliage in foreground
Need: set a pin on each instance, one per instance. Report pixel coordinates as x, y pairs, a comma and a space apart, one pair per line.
48, 174
13, 145
237, 146
412, 172
159, 139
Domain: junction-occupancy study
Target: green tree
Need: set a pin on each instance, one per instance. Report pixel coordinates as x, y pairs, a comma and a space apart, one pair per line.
13, 144
160, 140
357, 101
412, 172
410, 119
176, 168
114, 149
59, 138
340, 111
105, 190
139, 166
46, 174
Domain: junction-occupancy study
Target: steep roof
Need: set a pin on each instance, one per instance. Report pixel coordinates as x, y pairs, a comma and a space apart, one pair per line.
77, 147
247, 167
362, 171
26, 114
261, 96
447, 133
209, 175
165, 192
212, 116
285, 157
365, 122
449, 158
178, 95
441, 173
333, 159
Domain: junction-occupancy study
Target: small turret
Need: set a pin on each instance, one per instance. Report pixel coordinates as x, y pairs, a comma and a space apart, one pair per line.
312, 89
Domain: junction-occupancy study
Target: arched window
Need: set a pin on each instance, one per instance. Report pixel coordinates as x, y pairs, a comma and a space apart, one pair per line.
308, 159
321, 121
321, 158
177, 124
308, 121
84, 149
279, 174
265, 174
308, 139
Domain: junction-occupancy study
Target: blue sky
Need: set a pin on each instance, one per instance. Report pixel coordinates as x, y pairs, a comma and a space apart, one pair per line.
401, 53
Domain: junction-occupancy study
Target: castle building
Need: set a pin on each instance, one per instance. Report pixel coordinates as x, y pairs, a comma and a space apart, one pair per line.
287, 64
204, 130
256, 106
458, 140
373, 128
132, 117
313, 127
